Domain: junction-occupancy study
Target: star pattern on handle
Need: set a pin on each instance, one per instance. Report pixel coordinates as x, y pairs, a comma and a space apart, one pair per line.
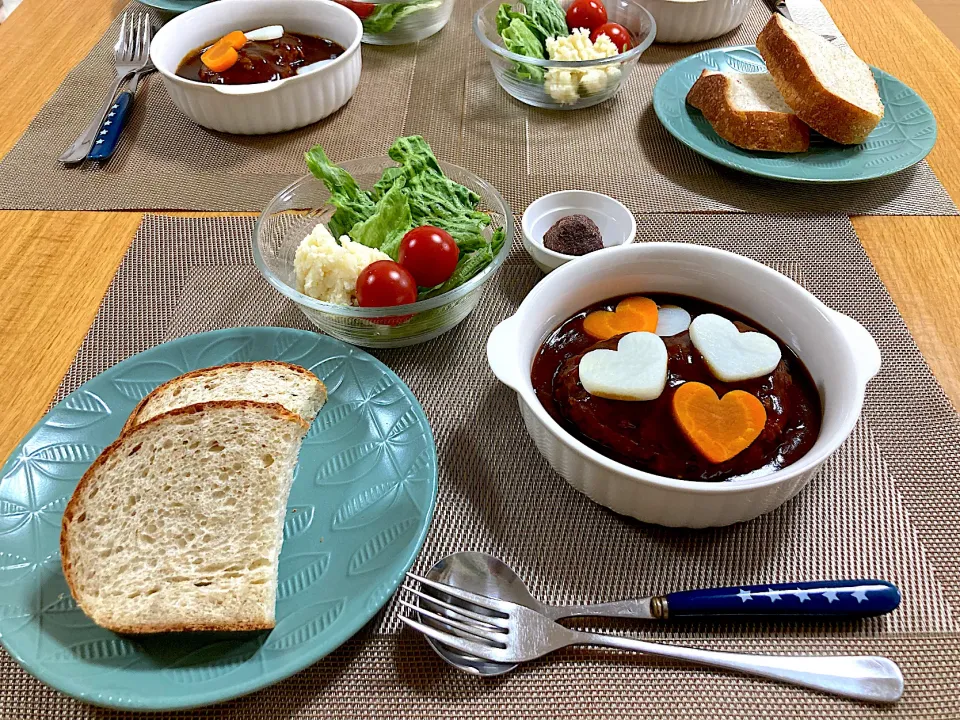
801, 595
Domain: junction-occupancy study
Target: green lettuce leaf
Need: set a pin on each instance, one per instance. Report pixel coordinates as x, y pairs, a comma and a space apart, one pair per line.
520, 39
386, 181
434, 198
415, 156
386, 227
505, 14
548, 15
385, 17
496, 242
353, 204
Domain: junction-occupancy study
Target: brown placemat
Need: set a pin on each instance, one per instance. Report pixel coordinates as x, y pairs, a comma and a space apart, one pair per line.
442, 88
886, 505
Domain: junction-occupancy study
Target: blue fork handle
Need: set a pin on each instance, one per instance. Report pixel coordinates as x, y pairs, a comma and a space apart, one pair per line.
850, 598
109, 133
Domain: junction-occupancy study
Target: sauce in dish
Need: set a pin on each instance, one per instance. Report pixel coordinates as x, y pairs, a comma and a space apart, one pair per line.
260, 61
647, 434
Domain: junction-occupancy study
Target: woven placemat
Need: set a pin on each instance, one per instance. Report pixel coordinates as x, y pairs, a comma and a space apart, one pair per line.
886, 505
442, 88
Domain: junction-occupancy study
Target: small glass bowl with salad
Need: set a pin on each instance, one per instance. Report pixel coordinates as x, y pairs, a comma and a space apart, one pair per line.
385, 251
399, 23
564, 54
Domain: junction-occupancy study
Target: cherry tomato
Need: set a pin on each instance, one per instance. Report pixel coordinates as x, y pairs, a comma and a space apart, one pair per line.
362, 9
385, 283
430, 254
589, 14
616, 32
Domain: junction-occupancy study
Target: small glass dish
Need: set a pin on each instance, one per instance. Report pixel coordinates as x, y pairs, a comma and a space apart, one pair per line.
297, 209
629, 13
406, 21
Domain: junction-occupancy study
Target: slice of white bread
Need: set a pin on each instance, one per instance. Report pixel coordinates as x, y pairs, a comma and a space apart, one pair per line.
178, 525
831, 89
746, 109
269, 381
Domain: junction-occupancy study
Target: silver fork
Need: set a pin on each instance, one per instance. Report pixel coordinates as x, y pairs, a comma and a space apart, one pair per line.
502, 631
130, 54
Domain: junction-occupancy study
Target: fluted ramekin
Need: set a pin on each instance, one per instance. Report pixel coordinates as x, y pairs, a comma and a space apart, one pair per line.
839, 353
269, 107
680, 21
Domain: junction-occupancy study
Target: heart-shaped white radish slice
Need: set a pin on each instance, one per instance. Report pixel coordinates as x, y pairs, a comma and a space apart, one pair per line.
636, 370
304, 69
730, 354
271, 32
672, 320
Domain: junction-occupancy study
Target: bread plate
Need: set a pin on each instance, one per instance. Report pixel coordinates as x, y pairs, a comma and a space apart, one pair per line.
360, 507
903, 138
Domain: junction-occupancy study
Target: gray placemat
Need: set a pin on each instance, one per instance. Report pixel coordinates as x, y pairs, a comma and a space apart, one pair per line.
886, 505
442, 88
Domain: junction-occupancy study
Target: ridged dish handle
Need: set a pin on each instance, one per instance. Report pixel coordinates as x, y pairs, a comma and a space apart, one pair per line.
501, 352
861, 342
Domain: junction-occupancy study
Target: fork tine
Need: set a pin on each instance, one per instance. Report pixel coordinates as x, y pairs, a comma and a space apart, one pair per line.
477, 649
121, 44
138, 52
480, 600
473, 630
131, 43
143, 42
463, 612
147, 35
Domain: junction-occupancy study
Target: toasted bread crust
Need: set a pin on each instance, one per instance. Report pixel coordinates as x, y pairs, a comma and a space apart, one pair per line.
73, 507
132, 420
152, 629
827, 113
754, 130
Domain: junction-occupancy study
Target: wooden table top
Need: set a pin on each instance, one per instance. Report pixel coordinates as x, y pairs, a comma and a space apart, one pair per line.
56, 266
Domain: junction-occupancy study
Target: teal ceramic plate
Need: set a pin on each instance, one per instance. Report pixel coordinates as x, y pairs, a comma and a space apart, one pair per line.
903, 138
361, 503
175, 6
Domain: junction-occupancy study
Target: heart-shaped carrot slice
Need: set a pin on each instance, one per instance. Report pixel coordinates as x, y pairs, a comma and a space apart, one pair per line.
633, 314
719, 428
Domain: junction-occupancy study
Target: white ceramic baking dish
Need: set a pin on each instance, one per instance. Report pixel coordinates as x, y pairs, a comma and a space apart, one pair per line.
839, 353
262, 107
680, 21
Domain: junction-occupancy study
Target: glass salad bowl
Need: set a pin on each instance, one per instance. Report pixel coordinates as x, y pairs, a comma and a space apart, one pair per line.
565, 84
398, 23
296, 210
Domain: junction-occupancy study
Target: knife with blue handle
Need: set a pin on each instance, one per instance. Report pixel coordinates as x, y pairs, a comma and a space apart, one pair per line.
109, 133
849, 598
